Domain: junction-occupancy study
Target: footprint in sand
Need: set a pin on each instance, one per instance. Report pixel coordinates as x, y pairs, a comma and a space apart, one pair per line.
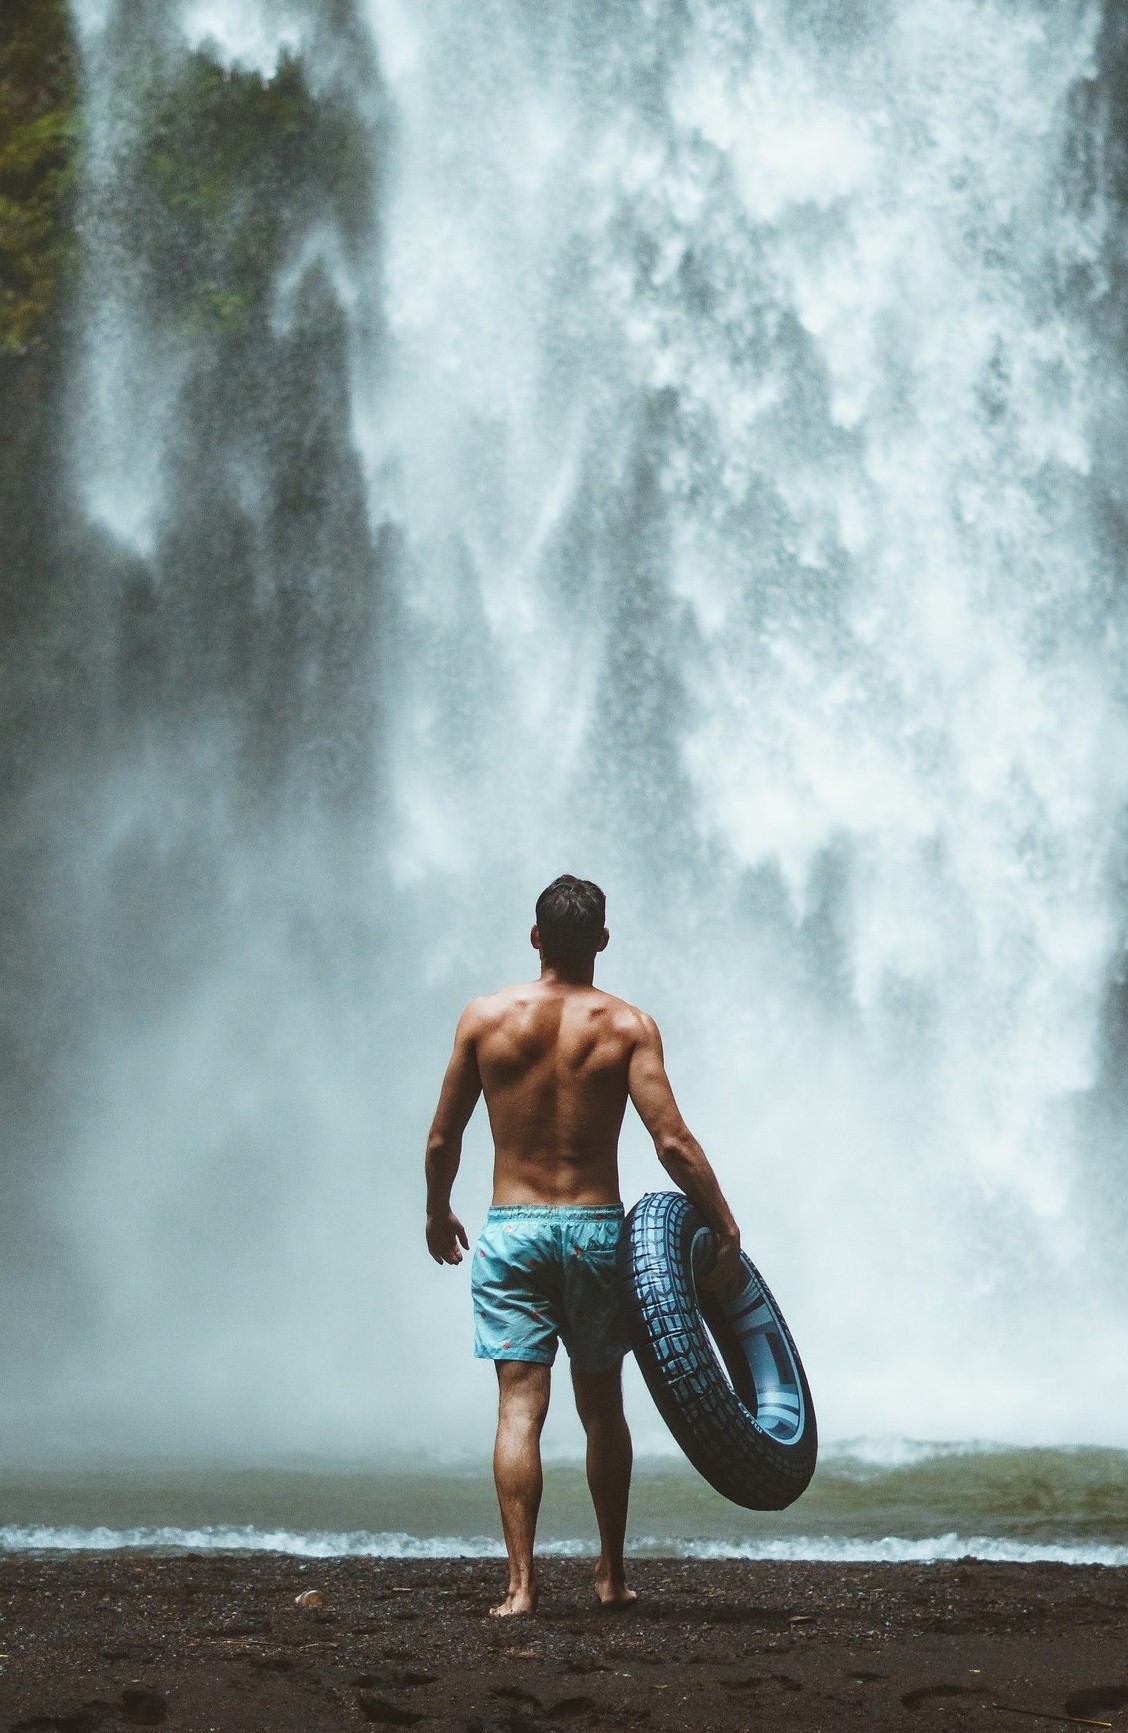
397, 1678
1095, 1698
139, 1705
754, 1680
385, 1714
516, 1721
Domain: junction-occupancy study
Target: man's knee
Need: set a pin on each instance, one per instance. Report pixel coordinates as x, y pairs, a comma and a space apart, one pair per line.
523, 1390
599, 1396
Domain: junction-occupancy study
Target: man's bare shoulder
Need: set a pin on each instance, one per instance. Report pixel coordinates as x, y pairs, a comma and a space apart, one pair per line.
502, 999
629, 1029
490, 1009
626, 1018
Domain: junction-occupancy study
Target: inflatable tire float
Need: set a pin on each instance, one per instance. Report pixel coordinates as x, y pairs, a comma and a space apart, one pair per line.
742, 1415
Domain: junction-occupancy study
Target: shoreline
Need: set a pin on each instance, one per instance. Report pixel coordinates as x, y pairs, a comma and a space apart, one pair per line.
1003, 1504
833, 1550
214, 1643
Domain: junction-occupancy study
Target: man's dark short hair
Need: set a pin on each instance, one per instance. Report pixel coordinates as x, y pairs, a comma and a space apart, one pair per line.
570, 916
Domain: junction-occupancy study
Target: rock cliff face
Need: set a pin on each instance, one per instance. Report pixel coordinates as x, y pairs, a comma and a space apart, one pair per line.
38, 150
197, 195
37, 254
167, 222
38, 102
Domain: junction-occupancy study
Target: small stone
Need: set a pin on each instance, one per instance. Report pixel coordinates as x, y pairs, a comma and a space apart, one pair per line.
310, 1598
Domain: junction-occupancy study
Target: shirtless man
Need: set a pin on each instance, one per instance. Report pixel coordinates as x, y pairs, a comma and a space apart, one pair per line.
556, 1060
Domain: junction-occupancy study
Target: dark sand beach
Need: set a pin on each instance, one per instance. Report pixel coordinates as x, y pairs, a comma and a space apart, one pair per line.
216, 1644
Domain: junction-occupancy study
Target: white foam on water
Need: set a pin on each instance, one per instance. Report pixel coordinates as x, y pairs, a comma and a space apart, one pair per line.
891, 1451
894, 1550
353, 1544
357, 1544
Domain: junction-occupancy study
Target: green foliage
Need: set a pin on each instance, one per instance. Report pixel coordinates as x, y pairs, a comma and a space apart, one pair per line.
38, 129
230, 166
225, 167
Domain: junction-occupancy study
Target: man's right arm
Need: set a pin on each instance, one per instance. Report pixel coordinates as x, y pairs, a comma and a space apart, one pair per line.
679, 1151
462, 1086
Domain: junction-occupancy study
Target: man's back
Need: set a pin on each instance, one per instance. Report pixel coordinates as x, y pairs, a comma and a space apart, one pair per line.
554, 1061
557, 1061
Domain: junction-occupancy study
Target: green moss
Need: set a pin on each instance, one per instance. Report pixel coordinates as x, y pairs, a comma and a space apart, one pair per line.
38, 128
225, 167
230, 167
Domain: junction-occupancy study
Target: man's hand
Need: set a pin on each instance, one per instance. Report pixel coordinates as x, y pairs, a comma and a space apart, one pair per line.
725, 1275
444, 1234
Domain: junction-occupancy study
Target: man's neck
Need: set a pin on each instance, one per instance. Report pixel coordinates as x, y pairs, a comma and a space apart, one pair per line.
554, 975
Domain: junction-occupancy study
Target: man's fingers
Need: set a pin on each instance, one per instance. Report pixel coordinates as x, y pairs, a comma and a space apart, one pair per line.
725, 1275
443, 1242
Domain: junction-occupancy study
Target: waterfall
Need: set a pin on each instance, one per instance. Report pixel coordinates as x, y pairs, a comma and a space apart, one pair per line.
673, 443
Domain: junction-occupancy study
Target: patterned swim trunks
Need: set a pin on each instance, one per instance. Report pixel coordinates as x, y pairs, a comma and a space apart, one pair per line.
546, 1273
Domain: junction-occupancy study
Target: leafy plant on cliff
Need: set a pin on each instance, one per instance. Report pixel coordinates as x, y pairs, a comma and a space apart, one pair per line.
37, 149
232, 165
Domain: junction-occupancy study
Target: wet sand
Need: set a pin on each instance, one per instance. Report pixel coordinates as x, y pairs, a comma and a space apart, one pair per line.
216, 1644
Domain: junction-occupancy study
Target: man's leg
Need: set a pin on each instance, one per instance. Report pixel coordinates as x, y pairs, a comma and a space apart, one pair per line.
599, 1403
522, 1405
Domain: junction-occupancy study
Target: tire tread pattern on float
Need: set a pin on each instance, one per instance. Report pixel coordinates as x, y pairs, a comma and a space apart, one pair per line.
718, 1433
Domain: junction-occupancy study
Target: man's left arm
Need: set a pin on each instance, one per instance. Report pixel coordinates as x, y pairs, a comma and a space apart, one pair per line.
462, 1086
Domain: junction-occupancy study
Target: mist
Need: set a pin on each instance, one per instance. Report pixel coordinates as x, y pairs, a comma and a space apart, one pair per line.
681, 446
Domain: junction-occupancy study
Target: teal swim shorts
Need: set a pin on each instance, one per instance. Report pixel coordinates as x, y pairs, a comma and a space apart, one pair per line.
543, 1274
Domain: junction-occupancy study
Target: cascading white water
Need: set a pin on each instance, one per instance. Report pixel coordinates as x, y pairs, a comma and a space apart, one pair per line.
725, 380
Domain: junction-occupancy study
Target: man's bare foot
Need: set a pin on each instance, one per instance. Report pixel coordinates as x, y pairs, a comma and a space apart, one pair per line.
517, 1604
613, 1593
